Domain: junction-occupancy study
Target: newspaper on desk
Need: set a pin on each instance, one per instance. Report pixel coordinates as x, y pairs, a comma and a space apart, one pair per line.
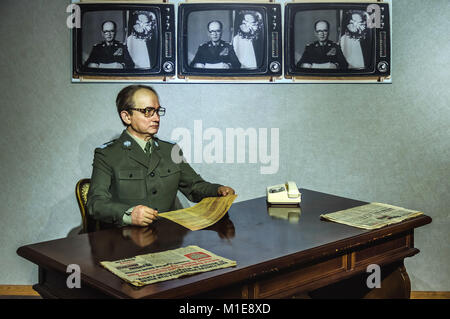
371, 216
204, 214
147, 269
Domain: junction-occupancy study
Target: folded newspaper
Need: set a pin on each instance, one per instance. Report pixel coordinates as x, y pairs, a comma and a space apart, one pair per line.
204, 214
372, 216
150, 268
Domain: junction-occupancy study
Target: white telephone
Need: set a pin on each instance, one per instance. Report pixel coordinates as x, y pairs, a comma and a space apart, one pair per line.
284, 194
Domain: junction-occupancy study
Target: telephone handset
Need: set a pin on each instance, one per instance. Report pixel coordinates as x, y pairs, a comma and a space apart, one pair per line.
284, 194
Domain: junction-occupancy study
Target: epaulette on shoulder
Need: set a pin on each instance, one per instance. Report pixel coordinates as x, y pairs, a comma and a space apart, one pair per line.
103, 146
207, 44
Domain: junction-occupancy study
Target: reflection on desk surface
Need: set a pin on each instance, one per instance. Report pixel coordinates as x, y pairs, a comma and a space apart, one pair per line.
159, 236
290, 213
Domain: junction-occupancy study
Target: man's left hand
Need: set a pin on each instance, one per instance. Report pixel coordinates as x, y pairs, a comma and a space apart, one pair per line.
224, 191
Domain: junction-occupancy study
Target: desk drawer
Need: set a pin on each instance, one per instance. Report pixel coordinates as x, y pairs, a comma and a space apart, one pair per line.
383, 249
286, 283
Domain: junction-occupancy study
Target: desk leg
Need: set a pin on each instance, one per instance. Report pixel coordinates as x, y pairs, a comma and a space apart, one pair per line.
41, 288
52, 285
395, 284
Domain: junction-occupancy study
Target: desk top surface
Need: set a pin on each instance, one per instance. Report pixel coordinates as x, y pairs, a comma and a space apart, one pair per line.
257, 241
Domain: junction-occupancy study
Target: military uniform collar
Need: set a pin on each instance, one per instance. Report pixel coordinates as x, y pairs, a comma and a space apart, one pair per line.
114, 43
136, 153
328, 43
142, 143
128, 140
219, 44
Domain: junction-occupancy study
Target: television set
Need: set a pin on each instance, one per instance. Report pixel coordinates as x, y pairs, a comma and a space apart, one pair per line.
124, 41
229, 41
338, 41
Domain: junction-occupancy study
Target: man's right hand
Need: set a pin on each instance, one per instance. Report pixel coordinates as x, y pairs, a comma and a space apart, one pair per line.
112, 65
143, 215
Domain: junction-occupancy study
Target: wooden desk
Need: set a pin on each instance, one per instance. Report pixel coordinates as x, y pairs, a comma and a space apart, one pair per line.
276, 258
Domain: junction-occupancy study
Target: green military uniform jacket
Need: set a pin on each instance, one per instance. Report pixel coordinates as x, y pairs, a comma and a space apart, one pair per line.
124, 176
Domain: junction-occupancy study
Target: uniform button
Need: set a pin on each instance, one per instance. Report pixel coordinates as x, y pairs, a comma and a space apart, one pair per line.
131, 175
152, 174
154, 192
168, 171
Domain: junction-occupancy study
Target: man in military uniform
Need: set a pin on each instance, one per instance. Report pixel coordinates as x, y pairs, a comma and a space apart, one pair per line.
322, 54
135, 176
109, 54
216, 54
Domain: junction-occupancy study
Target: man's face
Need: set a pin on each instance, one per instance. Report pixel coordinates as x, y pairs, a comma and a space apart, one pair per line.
109, 32
139, 125
322, 31
215, 32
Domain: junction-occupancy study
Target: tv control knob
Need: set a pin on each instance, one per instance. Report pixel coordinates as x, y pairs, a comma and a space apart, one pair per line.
382, 66
275, 66
168, 67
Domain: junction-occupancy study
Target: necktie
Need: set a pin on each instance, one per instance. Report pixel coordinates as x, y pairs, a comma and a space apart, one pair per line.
148, 147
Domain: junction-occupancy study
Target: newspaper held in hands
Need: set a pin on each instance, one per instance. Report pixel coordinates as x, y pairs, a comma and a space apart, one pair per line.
371, 216
150, 268
204, 214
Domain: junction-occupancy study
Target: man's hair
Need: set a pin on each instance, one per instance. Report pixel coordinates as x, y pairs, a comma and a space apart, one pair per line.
110, 21
328, 24
124, 100
217, 21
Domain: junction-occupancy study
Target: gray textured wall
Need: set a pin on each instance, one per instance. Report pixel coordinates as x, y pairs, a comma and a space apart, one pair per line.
387, 143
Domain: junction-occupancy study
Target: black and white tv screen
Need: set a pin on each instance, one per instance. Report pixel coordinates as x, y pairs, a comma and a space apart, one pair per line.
225, 39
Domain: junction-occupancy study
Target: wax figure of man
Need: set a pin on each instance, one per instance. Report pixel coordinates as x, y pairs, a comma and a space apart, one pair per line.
134, 177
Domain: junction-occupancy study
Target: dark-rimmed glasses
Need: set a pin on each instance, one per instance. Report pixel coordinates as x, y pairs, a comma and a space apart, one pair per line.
149, 111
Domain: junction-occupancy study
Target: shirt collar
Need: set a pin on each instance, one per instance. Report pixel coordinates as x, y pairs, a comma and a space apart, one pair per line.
138, 140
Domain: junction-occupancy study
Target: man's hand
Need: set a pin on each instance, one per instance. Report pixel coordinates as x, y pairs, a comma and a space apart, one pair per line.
143, 215
93, 65
219, 65
224, 191
306, 65
199, 65
112, 65
327, 65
